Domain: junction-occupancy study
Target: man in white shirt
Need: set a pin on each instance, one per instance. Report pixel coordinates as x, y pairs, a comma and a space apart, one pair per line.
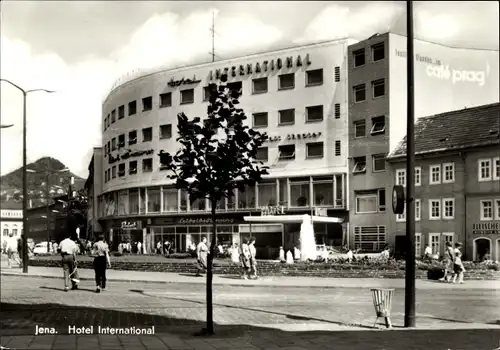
69, 249
12, 250
428, 252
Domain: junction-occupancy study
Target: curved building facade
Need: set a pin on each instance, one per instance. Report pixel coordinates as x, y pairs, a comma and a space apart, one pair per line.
297, 96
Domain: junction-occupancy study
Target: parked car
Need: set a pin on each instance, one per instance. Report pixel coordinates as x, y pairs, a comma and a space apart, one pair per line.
40, 249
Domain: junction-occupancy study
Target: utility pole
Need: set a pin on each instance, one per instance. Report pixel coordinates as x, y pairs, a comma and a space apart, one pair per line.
409, 320
213, 36
47, 196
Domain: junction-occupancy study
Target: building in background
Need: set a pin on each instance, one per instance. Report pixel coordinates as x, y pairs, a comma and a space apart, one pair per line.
57, 222
446, 79
11, 219
93, 185
298, 96
457, 179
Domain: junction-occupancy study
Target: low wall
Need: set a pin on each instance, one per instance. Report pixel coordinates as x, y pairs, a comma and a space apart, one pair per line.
270, 268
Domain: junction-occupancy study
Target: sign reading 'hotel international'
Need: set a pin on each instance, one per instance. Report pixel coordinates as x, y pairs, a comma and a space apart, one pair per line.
264, 66
486, 228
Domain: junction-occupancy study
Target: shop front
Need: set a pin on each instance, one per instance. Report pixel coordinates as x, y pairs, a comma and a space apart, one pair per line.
486, 241
124, 231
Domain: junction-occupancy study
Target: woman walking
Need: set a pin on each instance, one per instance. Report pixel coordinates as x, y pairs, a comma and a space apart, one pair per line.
201, 254
101, 250
245, 259
449, 257
253, 260
458, 266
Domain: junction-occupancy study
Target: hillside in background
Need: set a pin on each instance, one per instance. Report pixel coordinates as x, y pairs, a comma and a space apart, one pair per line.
11, 184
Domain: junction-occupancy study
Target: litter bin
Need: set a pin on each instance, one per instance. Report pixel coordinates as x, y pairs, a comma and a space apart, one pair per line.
382, 300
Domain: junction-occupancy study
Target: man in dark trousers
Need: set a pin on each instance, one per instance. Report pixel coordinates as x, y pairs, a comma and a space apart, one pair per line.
69, 249
101, 251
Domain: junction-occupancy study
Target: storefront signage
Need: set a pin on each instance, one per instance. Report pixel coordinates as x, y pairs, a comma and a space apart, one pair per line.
264, 66
272, 210
301, 136
486, 228
174, 83
320, 212
128, 154
133, 225
204, 221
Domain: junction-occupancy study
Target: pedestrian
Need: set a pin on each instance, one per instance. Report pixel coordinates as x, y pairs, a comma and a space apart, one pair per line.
458, 265
12, 252
449, 257
282, 255
245, 259
69, 250
101, 250
20, 251
139, 247
158, 247
201, 254
253, 260
428, 256
235, 254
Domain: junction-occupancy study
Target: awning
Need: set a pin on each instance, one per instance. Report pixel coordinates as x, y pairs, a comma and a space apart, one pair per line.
286, 219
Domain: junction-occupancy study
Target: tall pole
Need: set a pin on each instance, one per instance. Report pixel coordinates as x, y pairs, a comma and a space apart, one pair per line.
213, 36
24, 241
410, 175
47, 189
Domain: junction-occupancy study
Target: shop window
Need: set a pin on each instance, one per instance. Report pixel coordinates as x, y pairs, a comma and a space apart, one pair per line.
323, 191
358, 57
154, 200
286, 81
267, 193
166, 100
314, 77
259, 85
299, 192
370, 239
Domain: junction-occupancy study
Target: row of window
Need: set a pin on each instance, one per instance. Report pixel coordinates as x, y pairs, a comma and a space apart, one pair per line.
164, 132
314, 150
438, 173
377, 54
439, 209
377, 89
435, 240
14, 231
291, 192
287, 116
378, 164
377, 127
259, 86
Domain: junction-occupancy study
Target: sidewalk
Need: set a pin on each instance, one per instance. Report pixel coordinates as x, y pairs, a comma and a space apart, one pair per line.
275, 281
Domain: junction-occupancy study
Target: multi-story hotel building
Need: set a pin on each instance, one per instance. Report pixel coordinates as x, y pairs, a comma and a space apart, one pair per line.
446, 79
298, 96
11, 219
457, 182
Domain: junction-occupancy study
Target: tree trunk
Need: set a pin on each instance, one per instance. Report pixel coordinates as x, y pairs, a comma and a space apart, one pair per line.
210, 259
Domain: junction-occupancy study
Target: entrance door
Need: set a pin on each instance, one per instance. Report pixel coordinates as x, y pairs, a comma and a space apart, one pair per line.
482, 249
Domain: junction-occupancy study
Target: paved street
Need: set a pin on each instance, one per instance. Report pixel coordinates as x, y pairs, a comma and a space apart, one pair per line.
262, 317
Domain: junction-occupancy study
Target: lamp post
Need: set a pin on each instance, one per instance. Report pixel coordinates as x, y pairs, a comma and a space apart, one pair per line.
25, 174
47, 174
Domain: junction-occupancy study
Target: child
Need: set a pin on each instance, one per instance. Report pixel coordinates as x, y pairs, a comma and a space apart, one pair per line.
458, 266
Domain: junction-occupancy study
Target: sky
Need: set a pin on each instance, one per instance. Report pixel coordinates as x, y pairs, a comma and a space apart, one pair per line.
81, 48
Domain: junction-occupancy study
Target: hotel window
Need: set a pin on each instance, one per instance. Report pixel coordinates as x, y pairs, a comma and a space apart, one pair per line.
378, 88
401, 177
338, 148
147, 165
121, 141
187, 96
434, 242
286, 152
235, 87
113, 116
113, 172
314, 114
369, 238
268, 195
132, 167
286, 116
262, 154
170, 199
435, 174
286, 81
147, 134
448, 208
448, 173
359, 128
378, 52
166, 131
314, 150
121, 112
132, 137
497, 209
260, 120
113, 144
418, 210
154, 200
314, 77
133, 201
206, 93
166, 100
323, 190
418, 244
484, 167
337, 74
121, 169
496, 168
434, 209
418, 176
147, 103
378, 125
358, 57
337, 111
132, 108
378, 163
486, 210
299, 192
259, 85
359, 165
359, 93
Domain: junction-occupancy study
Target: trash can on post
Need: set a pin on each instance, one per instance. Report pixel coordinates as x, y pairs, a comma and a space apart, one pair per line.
382, 300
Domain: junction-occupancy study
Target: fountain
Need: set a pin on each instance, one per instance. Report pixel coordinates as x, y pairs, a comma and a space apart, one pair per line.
307, 240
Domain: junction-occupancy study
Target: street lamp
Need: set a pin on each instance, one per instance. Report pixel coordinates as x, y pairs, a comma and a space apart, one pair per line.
25, 174
47, 174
